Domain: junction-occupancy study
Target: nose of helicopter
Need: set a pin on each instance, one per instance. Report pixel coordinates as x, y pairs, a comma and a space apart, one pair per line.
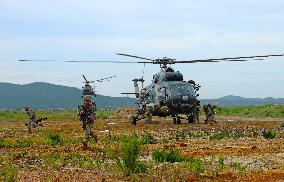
184, 101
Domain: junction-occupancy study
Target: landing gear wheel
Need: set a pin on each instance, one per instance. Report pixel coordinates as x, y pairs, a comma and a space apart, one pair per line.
190, 118
178, 120
174, 120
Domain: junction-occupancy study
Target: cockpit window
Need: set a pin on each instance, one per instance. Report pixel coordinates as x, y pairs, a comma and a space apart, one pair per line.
181, 89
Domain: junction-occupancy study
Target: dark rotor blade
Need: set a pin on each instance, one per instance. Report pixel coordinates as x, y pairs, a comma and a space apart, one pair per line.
85, 78
196, 61
242, 57
208, 61
128, 55
128, 93
107, 78
26, 60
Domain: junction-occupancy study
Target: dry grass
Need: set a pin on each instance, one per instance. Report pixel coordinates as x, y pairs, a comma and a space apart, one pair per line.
229, 150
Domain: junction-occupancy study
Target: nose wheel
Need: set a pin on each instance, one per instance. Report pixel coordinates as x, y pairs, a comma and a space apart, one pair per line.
176, 119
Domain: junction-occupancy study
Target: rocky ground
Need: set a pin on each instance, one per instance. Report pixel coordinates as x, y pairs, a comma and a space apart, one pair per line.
234, 149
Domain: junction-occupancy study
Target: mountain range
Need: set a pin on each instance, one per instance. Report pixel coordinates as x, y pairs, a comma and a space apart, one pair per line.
46, 95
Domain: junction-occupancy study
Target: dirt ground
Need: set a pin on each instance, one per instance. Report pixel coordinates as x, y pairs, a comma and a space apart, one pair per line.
246, 154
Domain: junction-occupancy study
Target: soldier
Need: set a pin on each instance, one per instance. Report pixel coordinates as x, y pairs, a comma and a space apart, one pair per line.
87, 116
209, 113
32, 122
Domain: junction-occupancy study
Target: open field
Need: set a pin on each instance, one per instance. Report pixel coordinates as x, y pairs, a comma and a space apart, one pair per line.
247, 144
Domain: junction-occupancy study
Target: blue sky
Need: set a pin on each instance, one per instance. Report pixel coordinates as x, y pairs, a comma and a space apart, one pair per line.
182, 29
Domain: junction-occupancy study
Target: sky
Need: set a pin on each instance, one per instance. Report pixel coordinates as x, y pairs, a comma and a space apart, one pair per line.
182, 29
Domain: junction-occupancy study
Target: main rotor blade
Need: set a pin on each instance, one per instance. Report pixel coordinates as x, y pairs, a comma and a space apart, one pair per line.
27, 60
128, 55
209, 61
241, 57
85, 78
129, 93
102, 79
196, 61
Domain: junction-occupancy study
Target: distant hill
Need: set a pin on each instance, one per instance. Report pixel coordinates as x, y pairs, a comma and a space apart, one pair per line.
232, 100
46, 95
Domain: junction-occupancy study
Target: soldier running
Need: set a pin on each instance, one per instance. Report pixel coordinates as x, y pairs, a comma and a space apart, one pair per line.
209, 113
32, 122
87, 116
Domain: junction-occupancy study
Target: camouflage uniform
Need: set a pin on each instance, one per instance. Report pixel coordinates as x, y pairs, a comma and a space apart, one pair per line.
148, 117
209, 113
31, 122
87, 116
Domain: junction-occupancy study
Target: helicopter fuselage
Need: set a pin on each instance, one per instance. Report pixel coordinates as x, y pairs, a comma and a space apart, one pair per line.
169, 95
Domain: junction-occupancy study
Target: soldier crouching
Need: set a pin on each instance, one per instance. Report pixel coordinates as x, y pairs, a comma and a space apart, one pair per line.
32, 122
209, 113
87, 117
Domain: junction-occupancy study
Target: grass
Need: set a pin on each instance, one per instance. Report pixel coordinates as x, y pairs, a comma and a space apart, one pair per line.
147, 138
220, 135
72, 159
8, 173
269, 134
127, 156
239, 167
53, 139
58, 145
173, 155
262, 111
55, 115
181, 136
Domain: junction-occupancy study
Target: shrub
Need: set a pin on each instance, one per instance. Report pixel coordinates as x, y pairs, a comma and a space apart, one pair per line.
220, 135
269, 134
220, 166
3, 143
239, 167
53, 139
254, 131
180, 135
23, 143
8, 173
148, 139
127, 156
196, 166
168, 156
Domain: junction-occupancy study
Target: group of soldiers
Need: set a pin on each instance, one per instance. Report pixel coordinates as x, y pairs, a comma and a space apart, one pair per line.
87, 115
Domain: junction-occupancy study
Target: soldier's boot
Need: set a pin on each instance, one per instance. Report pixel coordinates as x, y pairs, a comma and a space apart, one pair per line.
85, 144
95, 137
29, 130
211, 119
206, 121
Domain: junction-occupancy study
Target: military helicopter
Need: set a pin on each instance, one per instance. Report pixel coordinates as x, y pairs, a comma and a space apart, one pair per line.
169, 94
87, 89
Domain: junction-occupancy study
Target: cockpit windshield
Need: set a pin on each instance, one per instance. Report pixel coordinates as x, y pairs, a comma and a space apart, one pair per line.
181, 89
